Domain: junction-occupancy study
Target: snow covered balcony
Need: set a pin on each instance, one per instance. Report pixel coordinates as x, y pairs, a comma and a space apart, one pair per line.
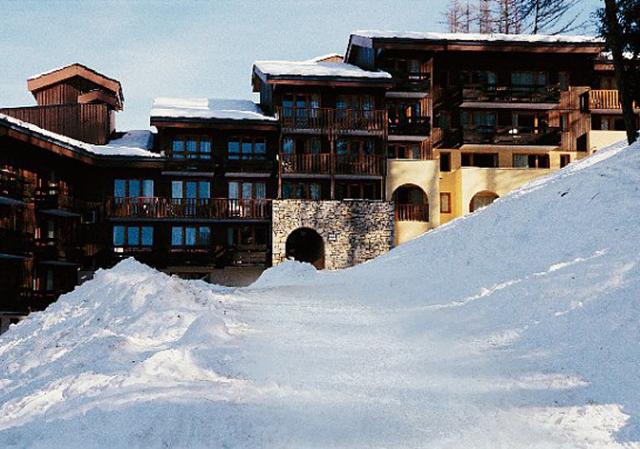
189, 208
332, 120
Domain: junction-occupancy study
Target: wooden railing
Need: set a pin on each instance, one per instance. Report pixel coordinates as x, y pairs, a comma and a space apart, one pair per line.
306, 163
52, 196
12, 185
331, 119
511, 94
412, 212
208, 208
326, 164
409, 125
606, 99
511, 135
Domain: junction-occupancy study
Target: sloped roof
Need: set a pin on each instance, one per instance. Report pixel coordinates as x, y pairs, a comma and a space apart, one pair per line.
208, 108
59, 74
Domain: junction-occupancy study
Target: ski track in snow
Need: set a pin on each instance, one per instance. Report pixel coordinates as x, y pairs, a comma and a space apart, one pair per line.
516, 327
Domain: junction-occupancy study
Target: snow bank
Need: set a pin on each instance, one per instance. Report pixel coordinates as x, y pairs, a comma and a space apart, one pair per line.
513, 327
208, 108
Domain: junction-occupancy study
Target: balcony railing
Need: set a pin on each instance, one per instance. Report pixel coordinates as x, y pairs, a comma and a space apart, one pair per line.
330, 119
56, 248
327, 164
15, 242
511, 94
12, 185
411, 81
52, 196
197, 208
606, 99
511, 135
412, 212
412, 126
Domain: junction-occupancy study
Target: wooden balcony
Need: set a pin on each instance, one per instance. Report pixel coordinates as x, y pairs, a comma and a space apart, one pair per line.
412, 212
325, 120
410, 126
52, 196
329, 164
511, 94
65, 248
510, 135
12, 185
411, 81
606, 99
180, 208
15, 242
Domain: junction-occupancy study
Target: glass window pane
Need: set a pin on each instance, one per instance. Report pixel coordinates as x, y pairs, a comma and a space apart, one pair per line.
520, 161
287, 146
286, 190
234, 190
176, 189
315, 191
178, 145
204, 189
260, 148
133, 236
204, 237
247, 149
147, 236
147, 187
119, 188
231, 236
118, 236
233, 148
191, 188
205, 146
191, 146
190, 236
261, 190
247, 190
134, 187
176, 236
342, 147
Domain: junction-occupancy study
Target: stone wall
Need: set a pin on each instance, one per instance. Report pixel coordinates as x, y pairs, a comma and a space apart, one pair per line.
353, 231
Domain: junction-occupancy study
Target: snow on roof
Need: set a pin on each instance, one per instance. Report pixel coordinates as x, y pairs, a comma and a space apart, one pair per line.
132, 143
478, 37
208, 108
608, 56
312, 68
323, 58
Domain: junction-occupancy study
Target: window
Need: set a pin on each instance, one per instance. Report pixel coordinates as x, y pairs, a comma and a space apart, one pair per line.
445, 202
531, 160
247, 190
564, 122
354, 147
247, 236
526, 80
190, 236
360, 190
190, 189
132, 188
132, 236
565, 159
354, 102
405, 151
445, 161
563, 80
300, 107
301, 190
191, 147
486, 160
247, 149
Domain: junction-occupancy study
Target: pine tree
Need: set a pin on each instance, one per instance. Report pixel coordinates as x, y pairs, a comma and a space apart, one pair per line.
620, 26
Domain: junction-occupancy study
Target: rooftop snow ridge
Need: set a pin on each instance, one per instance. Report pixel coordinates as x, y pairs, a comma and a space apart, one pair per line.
131, 143
475, 37
312, 68
208, 108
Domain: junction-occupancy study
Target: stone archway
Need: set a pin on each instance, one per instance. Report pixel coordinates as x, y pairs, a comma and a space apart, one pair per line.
306, 245
482, 199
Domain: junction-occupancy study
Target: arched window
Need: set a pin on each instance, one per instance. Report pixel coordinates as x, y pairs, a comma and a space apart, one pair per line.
481, 199
411, 203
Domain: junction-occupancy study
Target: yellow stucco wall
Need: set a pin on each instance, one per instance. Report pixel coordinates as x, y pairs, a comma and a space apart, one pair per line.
601, 139
497, 180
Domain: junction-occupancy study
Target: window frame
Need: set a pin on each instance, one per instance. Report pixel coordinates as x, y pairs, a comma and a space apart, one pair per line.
199, 153
198, 243
141, 230
253, 142
445, 198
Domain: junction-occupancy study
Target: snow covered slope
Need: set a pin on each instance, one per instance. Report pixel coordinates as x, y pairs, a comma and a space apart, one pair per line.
516, 327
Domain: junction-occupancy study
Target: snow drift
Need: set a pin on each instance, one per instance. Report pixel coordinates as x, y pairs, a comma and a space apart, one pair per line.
514, 327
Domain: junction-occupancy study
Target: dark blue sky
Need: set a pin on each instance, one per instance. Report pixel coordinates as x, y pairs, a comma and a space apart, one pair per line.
187, 48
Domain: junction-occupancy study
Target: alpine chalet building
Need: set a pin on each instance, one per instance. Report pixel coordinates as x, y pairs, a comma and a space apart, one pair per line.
340, 159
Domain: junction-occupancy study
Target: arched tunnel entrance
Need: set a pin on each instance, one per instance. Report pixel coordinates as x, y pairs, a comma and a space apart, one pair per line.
306, 245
